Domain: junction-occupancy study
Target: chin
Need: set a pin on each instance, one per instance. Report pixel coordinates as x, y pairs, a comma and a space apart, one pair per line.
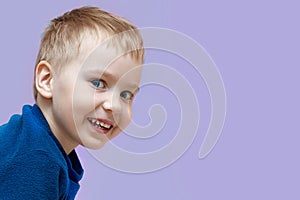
94, 145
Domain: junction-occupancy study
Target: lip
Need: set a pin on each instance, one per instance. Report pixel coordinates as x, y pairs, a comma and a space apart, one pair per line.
100, 130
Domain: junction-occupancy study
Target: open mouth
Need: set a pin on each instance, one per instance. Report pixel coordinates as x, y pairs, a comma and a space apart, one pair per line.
100, 124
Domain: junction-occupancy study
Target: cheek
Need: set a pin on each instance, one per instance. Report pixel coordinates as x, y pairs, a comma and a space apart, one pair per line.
129, 115
83, 99
126, 116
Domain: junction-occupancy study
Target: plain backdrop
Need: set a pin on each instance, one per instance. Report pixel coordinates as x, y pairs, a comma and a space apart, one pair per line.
255, 45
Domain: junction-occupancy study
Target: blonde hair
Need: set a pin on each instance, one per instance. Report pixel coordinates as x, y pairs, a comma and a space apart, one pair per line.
63, 39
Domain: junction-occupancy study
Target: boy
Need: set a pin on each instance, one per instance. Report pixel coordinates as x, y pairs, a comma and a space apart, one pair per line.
87, 73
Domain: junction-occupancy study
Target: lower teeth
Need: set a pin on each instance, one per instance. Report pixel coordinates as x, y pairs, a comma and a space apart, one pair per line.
99, 126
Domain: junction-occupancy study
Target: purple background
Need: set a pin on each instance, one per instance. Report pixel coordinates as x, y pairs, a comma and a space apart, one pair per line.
255, 45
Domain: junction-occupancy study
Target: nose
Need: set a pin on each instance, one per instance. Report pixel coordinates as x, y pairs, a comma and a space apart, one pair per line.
112, 103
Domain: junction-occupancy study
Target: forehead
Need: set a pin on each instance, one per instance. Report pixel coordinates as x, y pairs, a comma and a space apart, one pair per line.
109, 62
110, 47
104, 56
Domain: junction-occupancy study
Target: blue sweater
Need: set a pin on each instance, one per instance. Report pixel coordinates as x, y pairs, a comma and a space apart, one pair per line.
33, 164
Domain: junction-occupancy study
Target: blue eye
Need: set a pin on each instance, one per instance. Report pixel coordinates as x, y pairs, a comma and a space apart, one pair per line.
98, 83
127, 95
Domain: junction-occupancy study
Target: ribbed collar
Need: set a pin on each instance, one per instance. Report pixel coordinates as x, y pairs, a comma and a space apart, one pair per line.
75, 169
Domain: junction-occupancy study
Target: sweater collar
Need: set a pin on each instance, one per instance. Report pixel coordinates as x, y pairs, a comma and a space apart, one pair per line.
74, 166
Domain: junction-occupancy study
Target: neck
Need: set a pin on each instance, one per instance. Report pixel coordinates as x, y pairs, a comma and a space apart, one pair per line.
64, 139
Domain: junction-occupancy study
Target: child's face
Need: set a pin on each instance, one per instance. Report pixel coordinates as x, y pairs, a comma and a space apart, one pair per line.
92, 101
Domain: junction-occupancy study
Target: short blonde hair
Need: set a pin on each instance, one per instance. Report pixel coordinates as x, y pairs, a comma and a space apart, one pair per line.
62, 41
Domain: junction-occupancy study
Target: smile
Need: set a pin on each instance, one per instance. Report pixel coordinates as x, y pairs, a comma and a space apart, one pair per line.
101, 124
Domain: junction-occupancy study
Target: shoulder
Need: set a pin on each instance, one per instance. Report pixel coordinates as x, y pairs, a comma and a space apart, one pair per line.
31, 163
44, 159
39, 163
28, 133
34, 174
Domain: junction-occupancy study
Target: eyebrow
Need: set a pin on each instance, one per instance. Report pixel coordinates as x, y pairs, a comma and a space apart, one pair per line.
137, 90
106, 74
101, 73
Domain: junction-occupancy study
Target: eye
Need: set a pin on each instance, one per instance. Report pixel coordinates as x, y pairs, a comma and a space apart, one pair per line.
98, 83
127, 95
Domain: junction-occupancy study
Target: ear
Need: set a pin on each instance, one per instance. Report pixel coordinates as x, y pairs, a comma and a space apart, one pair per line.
43, 79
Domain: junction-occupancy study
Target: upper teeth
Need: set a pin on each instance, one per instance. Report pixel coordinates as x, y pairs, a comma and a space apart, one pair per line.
98, 123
